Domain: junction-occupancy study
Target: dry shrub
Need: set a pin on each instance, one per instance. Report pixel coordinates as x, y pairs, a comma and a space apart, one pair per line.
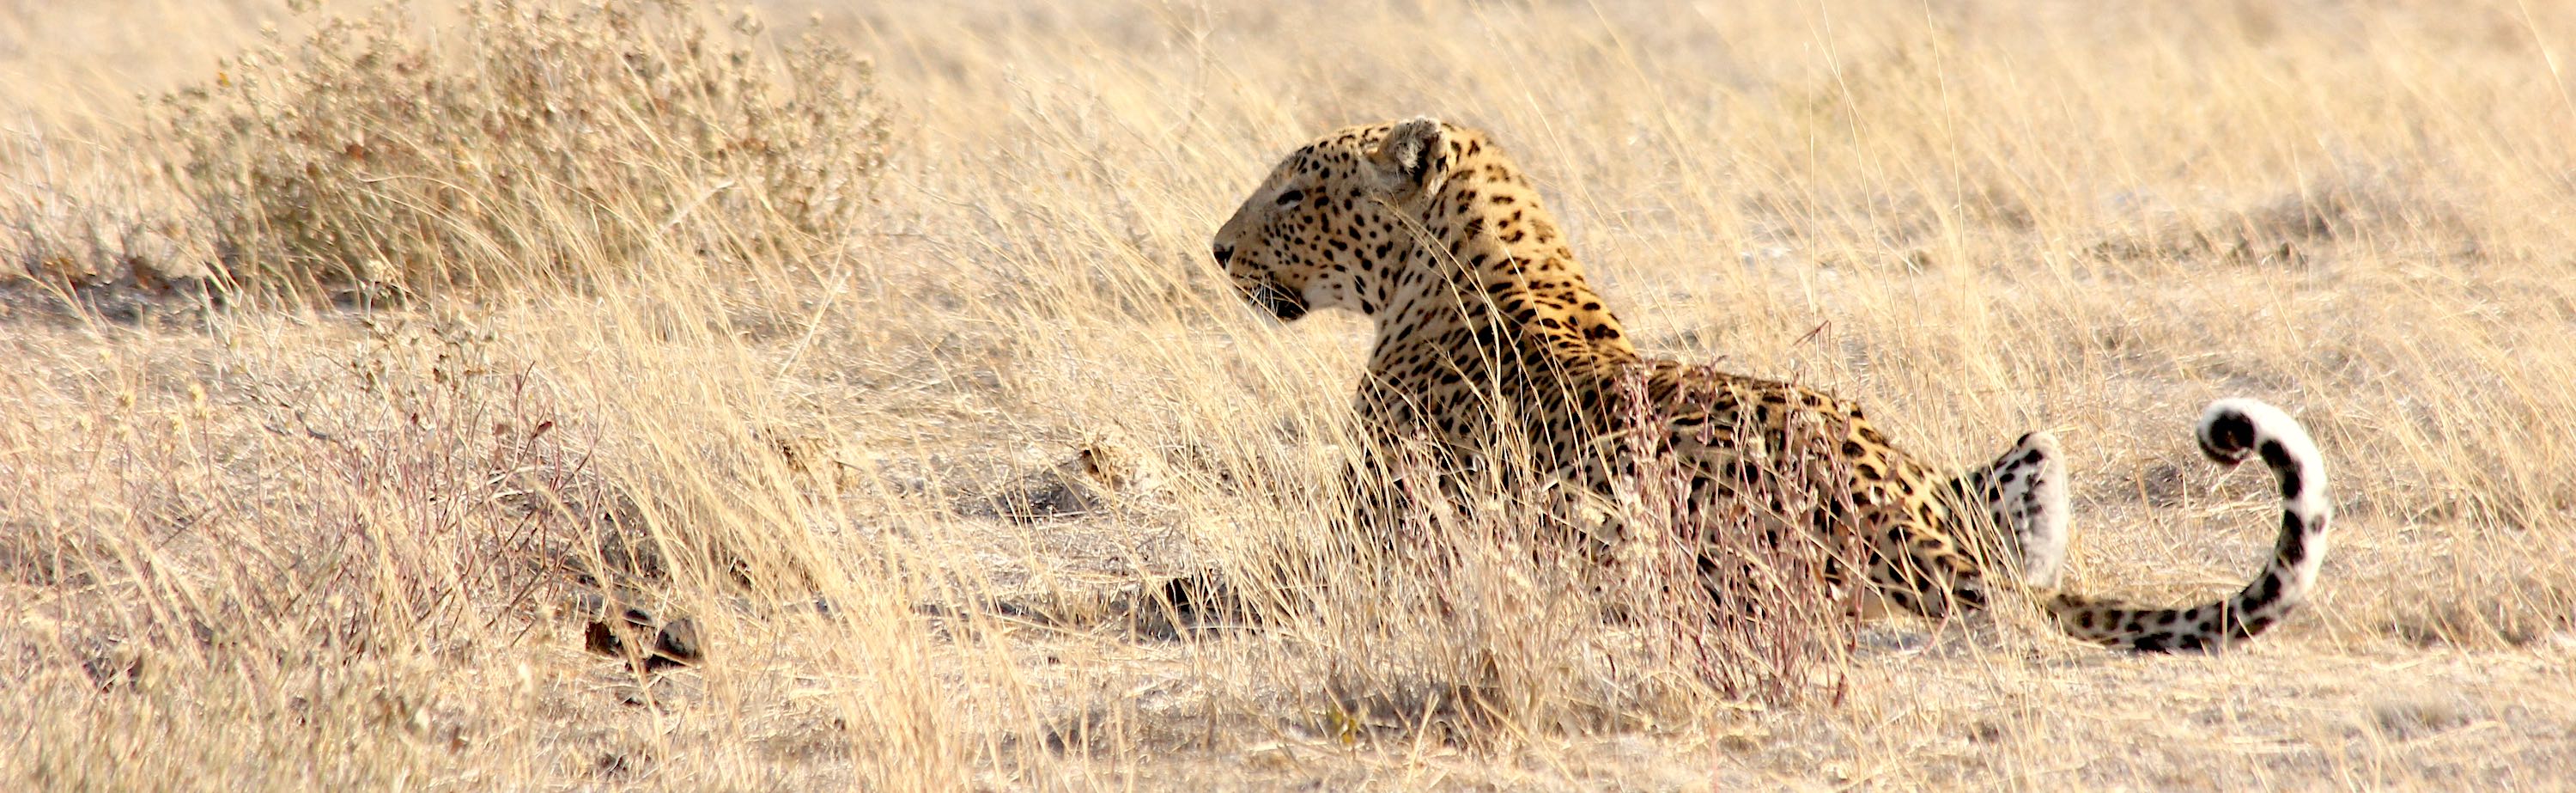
79, 216
389, 526
530, 142
426, 505
1739, 585
1460, 603
1485, 598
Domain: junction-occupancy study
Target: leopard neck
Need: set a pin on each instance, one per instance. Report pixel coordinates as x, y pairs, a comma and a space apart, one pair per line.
1495, 269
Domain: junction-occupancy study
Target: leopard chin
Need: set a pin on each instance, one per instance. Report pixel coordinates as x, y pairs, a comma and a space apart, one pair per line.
1281, 303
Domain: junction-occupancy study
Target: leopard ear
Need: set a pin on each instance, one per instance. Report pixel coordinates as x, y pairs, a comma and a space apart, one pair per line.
1413, 160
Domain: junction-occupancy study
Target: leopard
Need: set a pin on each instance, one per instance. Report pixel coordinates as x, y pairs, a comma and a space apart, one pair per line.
1485, 326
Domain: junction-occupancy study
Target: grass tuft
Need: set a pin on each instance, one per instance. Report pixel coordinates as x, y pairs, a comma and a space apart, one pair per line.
522, 144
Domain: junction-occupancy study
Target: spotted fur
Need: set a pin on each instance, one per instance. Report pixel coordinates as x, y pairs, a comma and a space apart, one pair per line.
1487, 328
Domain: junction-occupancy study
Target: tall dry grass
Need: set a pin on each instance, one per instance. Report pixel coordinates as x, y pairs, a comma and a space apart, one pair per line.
298, 544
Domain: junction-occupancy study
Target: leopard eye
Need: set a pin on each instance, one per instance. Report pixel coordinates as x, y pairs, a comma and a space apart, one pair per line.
1291, 197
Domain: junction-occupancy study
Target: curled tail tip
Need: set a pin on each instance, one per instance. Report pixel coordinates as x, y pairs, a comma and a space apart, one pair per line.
2042, 440
2235, 428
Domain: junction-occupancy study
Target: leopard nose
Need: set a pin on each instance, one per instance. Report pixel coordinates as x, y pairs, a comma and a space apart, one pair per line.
1224, 253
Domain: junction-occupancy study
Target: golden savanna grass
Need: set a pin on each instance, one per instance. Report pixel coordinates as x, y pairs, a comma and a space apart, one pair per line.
342, 393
